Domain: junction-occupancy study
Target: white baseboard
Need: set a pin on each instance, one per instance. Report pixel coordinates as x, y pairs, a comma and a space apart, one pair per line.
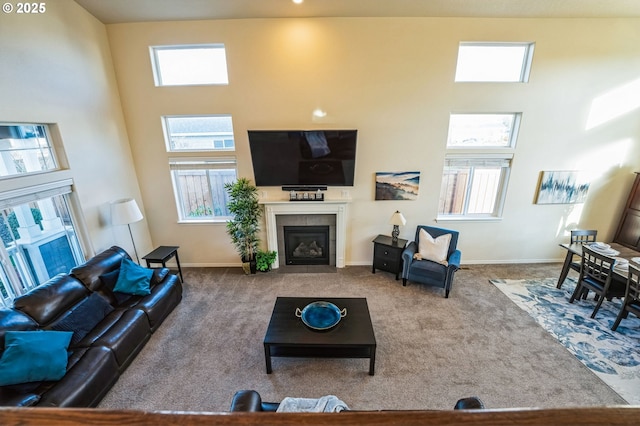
368, 263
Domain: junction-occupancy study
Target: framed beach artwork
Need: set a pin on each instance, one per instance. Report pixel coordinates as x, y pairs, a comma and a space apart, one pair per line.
562, 187
397, 185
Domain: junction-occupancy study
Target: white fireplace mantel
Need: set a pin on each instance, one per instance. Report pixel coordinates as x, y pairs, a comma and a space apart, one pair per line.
275, 208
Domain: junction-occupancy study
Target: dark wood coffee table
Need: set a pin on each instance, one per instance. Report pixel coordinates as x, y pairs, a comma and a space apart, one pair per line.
352, 337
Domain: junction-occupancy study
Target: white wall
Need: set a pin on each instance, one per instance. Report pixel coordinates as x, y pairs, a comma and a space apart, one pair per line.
392, 79
56, 68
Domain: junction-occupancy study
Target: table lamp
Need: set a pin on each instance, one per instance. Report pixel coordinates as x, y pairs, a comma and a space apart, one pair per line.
125, 212
396, 220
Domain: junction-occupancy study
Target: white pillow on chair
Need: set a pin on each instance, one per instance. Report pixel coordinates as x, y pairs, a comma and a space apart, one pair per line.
432, 249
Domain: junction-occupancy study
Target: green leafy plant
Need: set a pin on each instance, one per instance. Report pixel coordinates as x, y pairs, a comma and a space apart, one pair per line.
264, 260
244, 226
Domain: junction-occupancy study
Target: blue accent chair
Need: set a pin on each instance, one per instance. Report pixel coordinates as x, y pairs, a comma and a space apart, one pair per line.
426, 271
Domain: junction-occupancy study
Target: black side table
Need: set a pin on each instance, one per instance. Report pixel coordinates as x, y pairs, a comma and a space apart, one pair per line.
387, 255
161, 255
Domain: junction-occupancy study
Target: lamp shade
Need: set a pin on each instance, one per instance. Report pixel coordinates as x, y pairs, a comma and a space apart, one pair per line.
125, 211
397, 219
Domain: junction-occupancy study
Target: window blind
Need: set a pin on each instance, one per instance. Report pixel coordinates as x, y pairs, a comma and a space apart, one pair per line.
192, 163
34, 193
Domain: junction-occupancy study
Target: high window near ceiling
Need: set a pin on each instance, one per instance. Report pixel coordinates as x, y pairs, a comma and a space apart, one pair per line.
494, 62
198, 181
186, 65
477, 165
25, 149
37, 230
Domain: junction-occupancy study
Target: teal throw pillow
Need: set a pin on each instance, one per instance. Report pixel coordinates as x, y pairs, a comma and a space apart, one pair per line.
33, 356
133, 279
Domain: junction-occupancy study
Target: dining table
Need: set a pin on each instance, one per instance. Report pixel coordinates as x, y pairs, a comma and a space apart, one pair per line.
620, 272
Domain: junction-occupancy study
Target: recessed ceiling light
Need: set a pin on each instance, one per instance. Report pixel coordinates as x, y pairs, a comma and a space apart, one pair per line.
297, 1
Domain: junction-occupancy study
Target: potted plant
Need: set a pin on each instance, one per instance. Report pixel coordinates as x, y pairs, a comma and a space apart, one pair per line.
244, 227
264, 260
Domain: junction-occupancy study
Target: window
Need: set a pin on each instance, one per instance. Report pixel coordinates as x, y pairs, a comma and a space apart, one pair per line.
38, 236
37, 233
199, 187
198, 182
494, 62
473, 187
479, 151
483, 130
24, 149
199, 133
189, 65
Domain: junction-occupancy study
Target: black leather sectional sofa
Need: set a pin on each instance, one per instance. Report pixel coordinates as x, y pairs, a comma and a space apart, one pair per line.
105, 339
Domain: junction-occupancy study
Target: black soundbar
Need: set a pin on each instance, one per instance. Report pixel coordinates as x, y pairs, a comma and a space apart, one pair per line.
306, 188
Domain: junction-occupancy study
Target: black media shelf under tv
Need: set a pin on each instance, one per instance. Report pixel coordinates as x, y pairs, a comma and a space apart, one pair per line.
306, 188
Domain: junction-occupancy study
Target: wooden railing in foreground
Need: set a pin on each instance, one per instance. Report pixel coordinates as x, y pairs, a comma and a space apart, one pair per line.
622, 415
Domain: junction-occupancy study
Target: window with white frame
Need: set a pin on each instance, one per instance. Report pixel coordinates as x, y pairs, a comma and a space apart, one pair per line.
198, 182
483, 130
477, 164
25, 149
185, 65
199, 187
37, 231
494, 62
473, 186
199, 133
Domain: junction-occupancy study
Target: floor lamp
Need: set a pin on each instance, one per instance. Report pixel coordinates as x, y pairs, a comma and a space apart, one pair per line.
125, 212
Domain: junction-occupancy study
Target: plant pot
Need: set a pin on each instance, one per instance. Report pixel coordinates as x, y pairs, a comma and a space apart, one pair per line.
249, 266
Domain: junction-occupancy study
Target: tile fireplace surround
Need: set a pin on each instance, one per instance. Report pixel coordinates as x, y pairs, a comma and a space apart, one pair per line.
277, 208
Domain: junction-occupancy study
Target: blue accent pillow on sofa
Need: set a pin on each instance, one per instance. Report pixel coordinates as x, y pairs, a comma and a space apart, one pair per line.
133, 279
31, 356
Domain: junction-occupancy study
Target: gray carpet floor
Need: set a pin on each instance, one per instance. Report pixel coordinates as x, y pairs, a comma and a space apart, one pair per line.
431, 351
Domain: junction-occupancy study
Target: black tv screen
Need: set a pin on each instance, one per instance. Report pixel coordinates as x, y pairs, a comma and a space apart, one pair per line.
303, 157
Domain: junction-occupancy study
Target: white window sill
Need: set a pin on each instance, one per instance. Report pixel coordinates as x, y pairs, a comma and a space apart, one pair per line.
203, 222
467, 219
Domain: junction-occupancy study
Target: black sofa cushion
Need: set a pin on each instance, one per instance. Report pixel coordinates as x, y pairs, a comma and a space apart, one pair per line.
48, 301
12, 320
125, 332
89, 273
90, 375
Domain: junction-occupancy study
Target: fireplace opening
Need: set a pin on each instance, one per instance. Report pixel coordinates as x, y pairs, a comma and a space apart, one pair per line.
306, 245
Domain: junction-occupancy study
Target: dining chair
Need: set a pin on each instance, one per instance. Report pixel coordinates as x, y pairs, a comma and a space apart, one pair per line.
596, 274
582, 236
631, 301
579, 236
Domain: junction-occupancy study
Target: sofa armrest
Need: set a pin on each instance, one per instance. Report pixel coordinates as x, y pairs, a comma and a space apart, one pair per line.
159, 274
407, 257
250, 401
454, 259
469, 403
246, 401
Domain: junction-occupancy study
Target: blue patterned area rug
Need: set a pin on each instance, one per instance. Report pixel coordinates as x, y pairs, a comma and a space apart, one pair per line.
612, 355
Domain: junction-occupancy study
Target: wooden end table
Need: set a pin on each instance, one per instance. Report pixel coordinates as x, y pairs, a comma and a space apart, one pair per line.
387, 254
161, 255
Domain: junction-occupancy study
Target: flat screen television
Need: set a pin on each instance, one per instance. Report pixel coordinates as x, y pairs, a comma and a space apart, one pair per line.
303, 157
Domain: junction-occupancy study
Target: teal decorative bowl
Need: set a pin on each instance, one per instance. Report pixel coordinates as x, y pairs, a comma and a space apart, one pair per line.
321, 316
